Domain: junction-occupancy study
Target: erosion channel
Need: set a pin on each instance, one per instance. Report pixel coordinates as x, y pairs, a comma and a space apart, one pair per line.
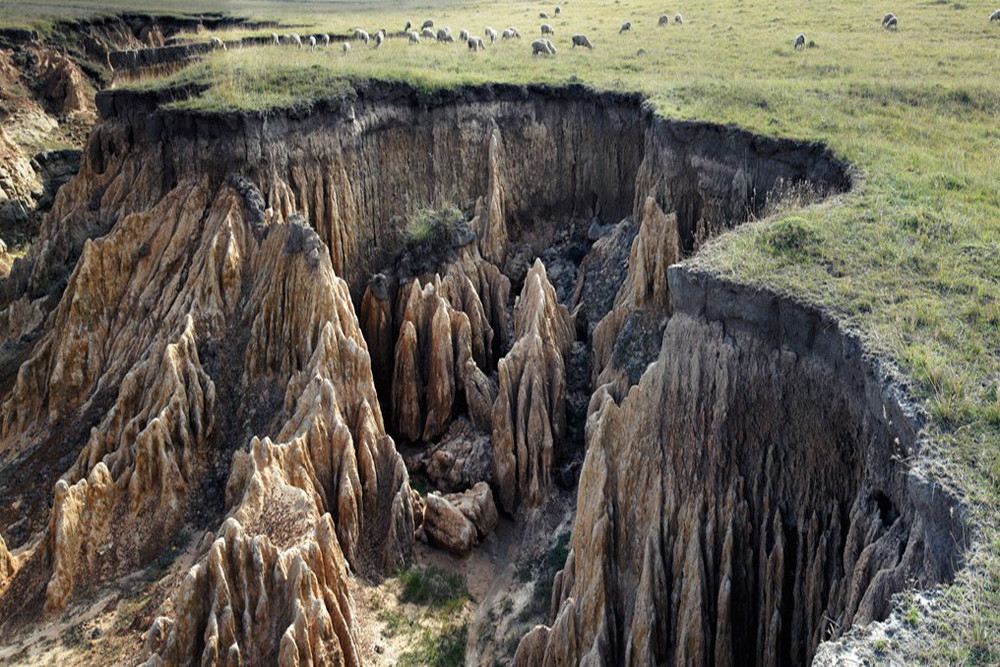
261, 328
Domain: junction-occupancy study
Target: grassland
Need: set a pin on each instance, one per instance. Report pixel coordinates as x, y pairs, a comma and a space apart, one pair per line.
910, 258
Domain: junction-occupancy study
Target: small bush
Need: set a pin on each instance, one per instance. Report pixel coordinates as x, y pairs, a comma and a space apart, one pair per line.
433, 587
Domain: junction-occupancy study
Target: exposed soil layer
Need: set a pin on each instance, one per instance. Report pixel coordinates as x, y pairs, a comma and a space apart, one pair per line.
199, 341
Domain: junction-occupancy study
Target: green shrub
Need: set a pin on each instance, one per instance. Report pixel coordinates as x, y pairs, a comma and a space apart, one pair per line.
433, 587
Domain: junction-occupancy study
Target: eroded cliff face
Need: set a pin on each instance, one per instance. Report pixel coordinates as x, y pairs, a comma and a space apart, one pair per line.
529, 415
522, 159
202, 364
747, 499
183, 350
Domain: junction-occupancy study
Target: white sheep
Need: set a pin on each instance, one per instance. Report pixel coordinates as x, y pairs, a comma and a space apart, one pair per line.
312, 42
378, 39
663, 20
444, 35
463, 35
995, 16
547, 29
476, 44
506, 34
581, 40
515, 32
542, 46
325, 39
414, 37
800, 41
295, 39
427, 24
885, 19
492, 34
558, 10
361, 35
625, 27
346, 48
217, 43
275, 38
678, 18
891, 24
428, 34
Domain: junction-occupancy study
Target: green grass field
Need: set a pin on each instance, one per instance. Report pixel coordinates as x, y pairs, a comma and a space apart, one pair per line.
910, 258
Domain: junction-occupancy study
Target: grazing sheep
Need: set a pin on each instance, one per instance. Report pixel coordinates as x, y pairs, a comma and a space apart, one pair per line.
295, 39
311, 40
325, 39
625, 27
218, 43
275, 38
428, 34
891, 24
414, 37
678, 18
506, 34
558, 10
547, 29
463, 35
800, 41
543, 15
361, 35
492, 34
346, 48
514, 31
542, 46
476, 44
663, 20
581, 40
427, 24
995, 16
444, 35
885, 19
378, 39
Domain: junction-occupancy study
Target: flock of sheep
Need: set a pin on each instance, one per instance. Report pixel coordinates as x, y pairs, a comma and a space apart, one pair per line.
541, 46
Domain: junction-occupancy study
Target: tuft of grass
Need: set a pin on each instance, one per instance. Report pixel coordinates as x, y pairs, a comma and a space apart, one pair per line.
428, 238
438, 649
432, 227
433, 587
790, 237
